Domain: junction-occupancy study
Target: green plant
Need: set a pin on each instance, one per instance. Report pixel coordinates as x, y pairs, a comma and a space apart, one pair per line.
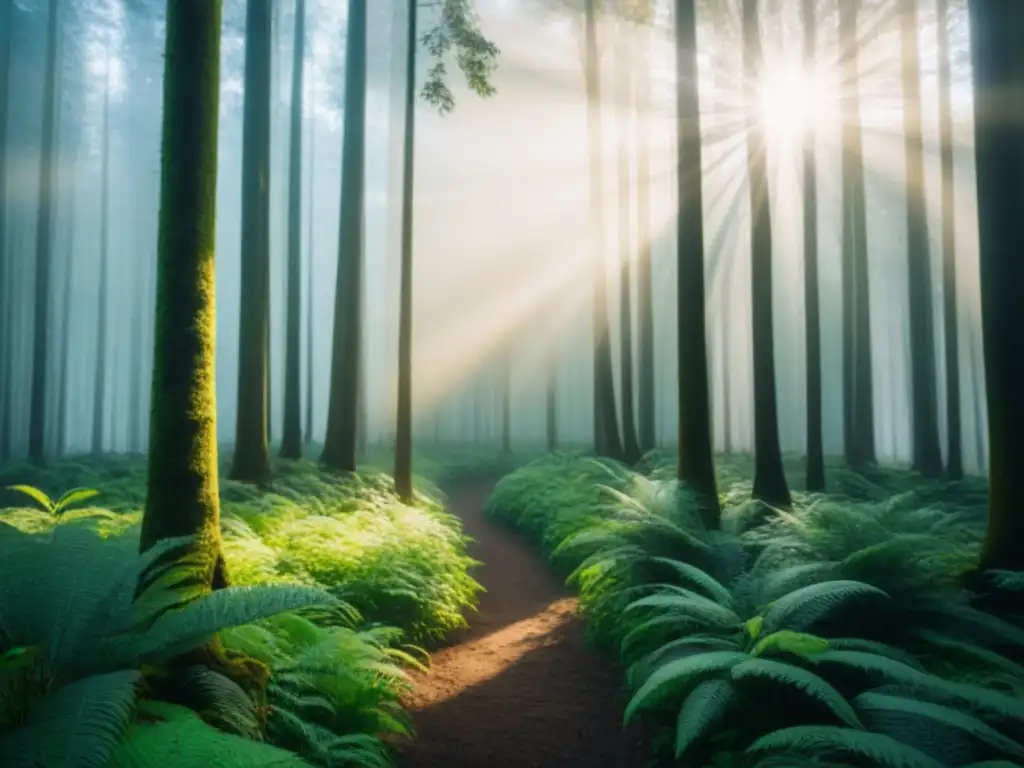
58, 507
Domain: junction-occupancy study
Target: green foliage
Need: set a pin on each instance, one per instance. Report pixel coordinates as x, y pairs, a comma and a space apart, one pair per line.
844, 615
457, 32
55, 508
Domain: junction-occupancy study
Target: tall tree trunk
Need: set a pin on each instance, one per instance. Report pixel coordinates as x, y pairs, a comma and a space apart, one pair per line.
343, 407
100, 381
44, 246
644, 262
606, 421
310, 282
65, 331
135, 441
696, 466
999, 159
858, 395
927, 455
6, 20
505, 393
769, 479
954, 456
403, 415
181, 498
812, 313
252, 452
624, 73
291, 435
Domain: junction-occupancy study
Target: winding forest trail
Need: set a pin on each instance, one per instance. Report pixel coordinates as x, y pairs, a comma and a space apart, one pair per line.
519, 688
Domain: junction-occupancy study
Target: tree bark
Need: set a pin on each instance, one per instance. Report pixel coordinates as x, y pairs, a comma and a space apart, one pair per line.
291, 434
181, 497
6, 20
644, 264
999, 157
339, 451
44, 247
769, 479
954, 430
695, 465
403, 420
812, 313
252, 451
858, 394
99, 401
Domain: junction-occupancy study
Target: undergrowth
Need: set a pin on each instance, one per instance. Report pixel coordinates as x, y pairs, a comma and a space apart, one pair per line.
392, 577
833, 634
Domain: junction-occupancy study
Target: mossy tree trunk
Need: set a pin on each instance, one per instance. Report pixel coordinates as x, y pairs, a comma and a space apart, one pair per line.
858, 394
403, 420
769, 479
343, 405
812, 312
252, 452
695, 465
181, 497
291, 435
44, 246
999, 159
99, 392
644, 262
606, 422
624, 96
954, 432
927, 454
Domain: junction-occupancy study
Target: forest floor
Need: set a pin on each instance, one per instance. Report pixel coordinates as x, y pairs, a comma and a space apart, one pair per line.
519, 688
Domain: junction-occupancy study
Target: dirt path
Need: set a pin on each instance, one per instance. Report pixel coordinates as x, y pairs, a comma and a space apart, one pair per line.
519, 689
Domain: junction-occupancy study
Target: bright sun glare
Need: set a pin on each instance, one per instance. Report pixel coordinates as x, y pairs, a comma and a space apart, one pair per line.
786, 100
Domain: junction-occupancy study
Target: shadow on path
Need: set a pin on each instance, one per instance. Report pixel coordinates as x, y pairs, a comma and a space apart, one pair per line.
520, 688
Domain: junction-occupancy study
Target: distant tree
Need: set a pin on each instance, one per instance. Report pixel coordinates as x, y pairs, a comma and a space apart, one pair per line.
181, 498
252, 453
695, 463
291, 437
927, 455
999, 158
644, 261
606, 422
456, 30
65, 328
100, 361
310, 264
812, 298
6, 21
954, 432
624, 67
769, 479
44, 245
858, 395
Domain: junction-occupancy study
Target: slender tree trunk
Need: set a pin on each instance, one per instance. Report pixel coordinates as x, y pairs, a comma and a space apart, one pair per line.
551, 403
135, 441
812, 314
769, 479
606, 422
252, 452
181, 497
644, 265
291, 436
65, 330
505, 385
927, 455
954, 456
44, 246
999, 158
6, 20
310, 272
343, 408
696, 465
100, 381
858, 395
403, 416
624, 72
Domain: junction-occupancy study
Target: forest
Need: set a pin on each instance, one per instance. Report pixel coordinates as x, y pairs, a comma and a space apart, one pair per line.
511, 384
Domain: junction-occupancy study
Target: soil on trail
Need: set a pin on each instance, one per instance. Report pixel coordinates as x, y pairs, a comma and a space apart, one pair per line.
519, 688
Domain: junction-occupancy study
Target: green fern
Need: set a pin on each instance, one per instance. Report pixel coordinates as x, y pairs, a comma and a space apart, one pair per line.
703, 711
58, 507
835, 741
797, 678
803, 608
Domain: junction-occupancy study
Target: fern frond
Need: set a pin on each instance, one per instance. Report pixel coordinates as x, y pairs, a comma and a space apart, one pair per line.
702, 712
836, 741
677, 675
802, 680
803, 608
